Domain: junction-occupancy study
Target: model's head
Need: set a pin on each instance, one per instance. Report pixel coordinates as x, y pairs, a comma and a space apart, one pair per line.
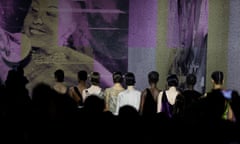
117, 77
95, 78
217, 77
129, 79
59, 75
191, 79
172, 80
153, 77
82, 75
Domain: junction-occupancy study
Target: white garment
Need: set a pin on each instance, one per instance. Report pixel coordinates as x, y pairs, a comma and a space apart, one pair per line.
171, 93
130, 96
92, 90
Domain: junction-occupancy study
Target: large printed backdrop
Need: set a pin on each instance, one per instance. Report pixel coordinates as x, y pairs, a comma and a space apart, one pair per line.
187, 35
69, 35
106, 36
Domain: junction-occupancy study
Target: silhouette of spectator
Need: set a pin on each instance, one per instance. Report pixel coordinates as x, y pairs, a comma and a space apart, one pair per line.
94, 104
53, 113
17, 95
128, 111
2, 100
129, 122
207, 116
17, 107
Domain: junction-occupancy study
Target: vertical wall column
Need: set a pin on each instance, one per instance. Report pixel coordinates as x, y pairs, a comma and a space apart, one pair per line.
142, 39
233, 81
163, 53
217, 39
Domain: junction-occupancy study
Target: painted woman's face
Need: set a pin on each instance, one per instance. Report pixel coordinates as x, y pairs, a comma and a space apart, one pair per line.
41, 23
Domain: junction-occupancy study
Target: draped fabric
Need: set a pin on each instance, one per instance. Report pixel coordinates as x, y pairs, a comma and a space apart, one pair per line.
166, 106
150, 106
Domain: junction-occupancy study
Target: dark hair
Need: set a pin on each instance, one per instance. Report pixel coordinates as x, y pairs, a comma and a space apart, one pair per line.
117, 77
129, 78
172, 80
153, 77
95, 78
191, 79
59, 75
82, 75
93, 103
217, 77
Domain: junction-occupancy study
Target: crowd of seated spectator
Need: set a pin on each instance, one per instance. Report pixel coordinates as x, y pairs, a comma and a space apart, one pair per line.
50, 116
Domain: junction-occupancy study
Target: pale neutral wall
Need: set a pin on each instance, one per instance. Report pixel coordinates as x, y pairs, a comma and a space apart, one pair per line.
162, 53
217, 39
233, 72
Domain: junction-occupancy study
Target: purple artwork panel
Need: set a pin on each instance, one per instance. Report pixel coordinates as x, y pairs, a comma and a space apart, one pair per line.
143, 23
187, 32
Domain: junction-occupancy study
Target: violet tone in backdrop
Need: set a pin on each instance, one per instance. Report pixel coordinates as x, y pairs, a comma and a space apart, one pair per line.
142, 41
91, 29
187, 35
143, 24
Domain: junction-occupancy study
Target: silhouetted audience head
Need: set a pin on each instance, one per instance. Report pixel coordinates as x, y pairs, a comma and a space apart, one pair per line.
117, 77
82, 75
41, 94
214, 105
95, 78
129, 79
11, 77
59, 75
128, 111
16, 77
43, 98
153, 77
50, 105
172, 80
217, 77
94, 104
234, 103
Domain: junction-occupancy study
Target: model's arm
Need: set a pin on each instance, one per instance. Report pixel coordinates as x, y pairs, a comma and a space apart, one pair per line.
106, 99
143, 96
159, 102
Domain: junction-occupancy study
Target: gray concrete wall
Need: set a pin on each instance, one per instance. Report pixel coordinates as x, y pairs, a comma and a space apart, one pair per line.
233, 71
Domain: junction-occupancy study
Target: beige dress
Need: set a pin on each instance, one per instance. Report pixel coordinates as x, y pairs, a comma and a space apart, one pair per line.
111, 96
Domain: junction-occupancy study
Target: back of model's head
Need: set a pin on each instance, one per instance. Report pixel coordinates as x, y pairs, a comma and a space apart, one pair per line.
95, 78
217, 77
82, 75
117, 77
191, 79
129, 78
59, 75
172, 80
153, 77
